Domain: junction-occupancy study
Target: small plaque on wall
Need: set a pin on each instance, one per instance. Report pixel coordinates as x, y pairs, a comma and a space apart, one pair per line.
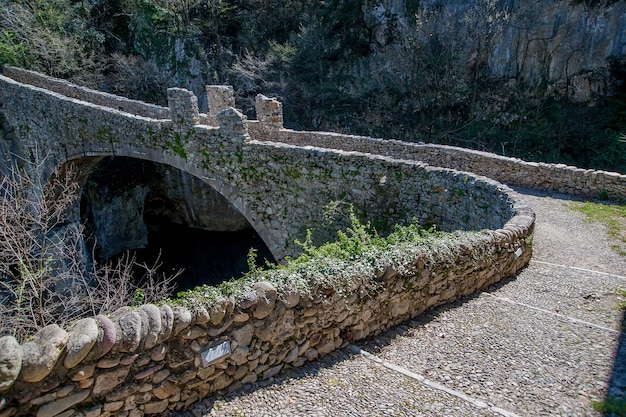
215, 353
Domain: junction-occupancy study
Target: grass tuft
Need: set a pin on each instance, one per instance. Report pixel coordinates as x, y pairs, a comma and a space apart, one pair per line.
613, 216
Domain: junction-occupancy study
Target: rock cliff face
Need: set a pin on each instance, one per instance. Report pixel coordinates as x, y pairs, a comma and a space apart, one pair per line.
559, 46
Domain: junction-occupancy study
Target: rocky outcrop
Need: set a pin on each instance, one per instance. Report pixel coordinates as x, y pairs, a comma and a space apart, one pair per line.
555, 46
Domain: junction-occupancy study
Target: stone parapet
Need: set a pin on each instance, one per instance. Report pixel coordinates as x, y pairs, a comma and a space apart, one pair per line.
183, 106
99, 98
537, 175
269, 113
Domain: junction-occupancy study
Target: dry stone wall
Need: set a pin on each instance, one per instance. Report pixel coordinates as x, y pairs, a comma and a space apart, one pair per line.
150, 359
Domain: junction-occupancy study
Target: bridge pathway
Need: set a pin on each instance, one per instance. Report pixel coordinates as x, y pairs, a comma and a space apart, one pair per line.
541, 344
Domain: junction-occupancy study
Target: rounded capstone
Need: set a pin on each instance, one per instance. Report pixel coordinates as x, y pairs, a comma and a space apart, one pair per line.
167, 322
153, 329
42, 353
202, 315
81, 340
129, 332
10, 361
108, 336
291, 298
266, 299
182, 319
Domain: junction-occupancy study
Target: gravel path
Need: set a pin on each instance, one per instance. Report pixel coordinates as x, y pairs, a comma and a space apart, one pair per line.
540, 344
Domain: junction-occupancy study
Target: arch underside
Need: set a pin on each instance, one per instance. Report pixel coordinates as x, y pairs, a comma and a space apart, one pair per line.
86, 161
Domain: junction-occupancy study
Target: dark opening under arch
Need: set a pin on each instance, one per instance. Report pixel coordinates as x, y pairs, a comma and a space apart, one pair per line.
156, 210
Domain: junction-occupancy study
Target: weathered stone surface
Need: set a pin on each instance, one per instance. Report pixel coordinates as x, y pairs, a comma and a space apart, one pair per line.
291, 299
86, 383
222, 382
56, 407
195, 332
202, 315
113, 405
160, 376
154, 325
42, 353
148, 372
266, 299
106, 381
243, 336
129, 333
158, 353
167, 322
109, 362
80, 341
129, 359
272, 371
217, 313
94, 411
165, 389
155, 407
182, 319
83, 372
292, 355
108, 337
10, 361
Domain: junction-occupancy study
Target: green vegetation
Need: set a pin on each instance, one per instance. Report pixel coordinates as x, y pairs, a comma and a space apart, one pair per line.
178, 147
613, 216
615, 406
340, 65
345, 264
622, 304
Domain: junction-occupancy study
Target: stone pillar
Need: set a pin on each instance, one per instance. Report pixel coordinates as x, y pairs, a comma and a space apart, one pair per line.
233, 123
219, 97
183, 106
269, 112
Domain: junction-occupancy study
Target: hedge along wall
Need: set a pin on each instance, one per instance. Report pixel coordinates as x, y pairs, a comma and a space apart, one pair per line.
149, 359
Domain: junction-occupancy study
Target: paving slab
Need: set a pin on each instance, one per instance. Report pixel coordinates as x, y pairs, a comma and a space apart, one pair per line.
581, 294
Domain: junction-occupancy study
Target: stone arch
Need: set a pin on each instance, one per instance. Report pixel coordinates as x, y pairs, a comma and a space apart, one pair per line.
86, 161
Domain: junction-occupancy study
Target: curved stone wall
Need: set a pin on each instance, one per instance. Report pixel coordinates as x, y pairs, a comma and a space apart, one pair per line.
150, 359
537, 175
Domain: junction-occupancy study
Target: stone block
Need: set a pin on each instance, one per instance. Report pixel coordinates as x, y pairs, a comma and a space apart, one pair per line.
81, 340
107, 381
41, 354
56, 407
10, 361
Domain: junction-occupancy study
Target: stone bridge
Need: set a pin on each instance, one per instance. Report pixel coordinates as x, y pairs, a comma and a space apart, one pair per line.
281, 188
150, 359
